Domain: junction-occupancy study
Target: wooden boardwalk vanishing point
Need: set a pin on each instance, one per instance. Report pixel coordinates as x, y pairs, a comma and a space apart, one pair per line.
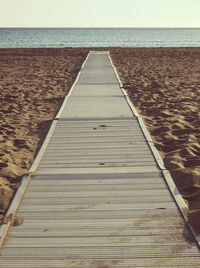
98, 194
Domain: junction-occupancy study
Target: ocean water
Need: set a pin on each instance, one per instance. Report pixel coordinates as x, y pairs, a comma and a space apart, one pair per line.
99, 37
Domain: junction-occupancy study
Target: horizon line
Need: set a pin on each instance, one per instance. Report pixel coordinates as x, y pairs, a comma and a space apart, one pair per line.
99, 27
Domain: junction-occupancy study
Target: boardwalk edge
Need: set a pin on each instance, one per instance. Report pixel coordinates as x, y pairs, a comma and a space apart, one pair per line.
43, 148
166, 174
11, 213
71, 90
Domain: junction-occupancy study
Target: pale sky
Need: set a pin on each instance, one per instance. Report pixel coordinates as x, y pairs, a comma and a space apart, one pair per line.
99, 13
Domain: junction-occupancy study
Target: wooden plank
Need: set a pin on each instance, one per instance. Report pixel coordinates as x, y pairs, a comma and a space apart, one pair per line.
45, 231
183, 262
54, 242
98, 133
131, 121
104, 145
98, 159
94, 152
104, 174
62, 201
62, 168
61, 187
115, 123
96, 163
108, 230
98, 128
99, 144
96, 170
139, 219
97, 232
77, 193
77, 108
102, 252
100, 214
40, 184
128, 138
66, 157
84, 157
95, 206
102, 127
103, 124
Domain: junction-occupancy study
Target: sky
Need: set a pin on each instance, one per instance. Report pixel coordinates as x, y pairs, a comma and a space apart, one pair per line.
99, 13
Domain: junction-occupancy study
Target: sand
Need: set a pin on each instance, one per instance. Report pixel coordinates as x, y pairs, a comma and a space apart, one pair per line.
163, 84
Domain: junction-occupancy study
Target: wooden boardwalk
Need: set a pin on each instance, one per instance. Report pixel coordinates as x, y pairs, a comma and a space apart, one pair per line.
97, 198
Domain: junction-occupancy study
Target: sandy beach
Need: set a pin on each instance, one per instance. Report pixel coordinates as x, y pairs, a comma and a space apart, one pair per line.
163, 84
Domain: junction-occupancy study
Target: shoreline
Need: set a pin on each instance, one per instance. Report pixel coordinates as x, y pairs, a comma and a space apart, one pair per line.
162, 83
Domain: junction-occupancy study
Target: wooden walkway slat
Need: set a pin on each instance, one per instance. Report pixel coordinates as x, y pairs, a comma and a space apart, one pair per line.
93, 241
98, 198
73, 252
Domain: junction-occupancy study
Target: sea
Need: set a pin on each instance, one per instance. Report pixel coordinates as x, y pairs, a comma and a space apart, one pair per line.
99, 37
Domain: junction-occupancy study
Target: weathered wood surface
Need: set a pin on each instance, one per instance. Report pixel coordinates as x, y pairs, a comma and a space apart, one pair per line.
98, 198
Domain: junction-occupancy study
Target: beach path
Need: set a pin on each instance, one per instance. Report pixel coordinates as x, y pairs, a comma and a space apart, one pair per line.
97, 195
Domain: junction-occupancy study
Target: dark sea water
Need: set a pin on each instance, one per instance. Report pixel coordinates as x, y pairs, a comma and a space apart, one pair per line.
99, 37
